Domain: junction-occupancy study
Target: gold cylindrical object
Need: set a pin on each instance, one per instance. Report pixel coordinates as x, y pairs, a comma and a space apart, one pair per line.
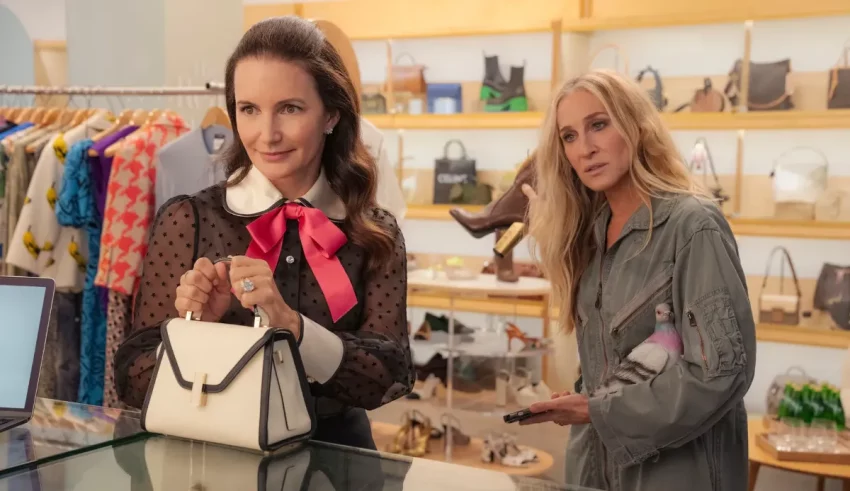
510, 239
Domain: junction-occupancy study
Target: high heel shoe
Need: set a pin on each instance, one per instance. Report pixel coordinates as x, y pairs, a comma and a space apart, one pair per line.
509, 208
428, 390
413, 437
529, 342
459, 438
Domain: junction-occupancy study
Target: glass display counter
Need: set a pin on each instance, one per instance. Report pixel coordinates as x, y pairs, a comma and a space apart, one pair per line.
74, 447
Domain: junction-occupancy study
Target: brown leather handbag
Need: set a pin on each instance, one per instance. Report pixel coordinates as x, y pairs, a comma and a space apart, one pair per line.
780, 308
770, 88
407, 78
838, 94
705, 100
832, 293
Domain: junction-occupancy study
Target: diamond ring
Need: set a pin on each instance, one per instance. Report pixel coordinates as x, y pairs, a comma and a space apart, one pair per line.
247, 285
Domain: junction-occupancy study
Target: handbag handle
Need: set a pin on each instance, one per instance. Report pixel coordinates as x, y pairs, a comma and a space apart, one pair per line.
709, 164
449, 144
619, 52
403, 55
260, 317
796, 149
781, 273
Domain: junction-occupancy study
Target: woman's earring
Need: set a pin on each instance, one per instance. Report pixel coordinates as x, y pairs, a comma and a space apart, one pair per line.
329, 130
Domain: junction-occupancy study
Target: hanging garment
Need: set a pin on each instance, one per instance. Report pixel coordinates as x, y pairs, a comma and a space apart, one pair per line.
76, 208
19, 171
388, 194
101, 168
15, 129
117, 327
102, 165
189, 164
68, 339
129, 203
40, 245
8, 131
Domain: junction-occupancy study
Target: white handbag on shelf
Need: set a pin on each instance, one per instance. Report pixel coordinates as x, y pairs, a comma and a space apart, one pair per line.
178, 464
798, 185
229, 384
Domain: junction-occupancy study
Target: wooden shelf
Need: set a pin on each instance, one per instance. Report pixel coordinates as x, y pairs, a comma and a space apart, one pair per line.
748, 227
798, 335
687, 19
436, 212
466, 455
761, 120
473, 121
768, 227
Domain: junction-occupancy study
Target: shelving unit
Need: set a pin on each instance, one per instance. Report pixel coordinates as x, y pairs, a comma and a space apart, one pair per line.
756, 120
751, 227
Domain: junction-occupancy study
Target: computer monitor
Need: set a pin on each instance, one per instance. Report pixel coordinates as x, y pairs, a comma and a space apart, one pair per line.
25, 305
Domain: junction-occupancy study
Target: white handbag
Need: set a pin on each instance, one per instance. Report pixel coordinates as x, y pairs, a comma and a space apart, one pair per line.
179, 464
798, 185
229, 384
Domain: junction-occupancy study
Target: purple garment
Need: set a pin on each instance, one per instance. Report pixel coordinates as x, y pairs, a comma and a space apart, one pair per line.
101, 166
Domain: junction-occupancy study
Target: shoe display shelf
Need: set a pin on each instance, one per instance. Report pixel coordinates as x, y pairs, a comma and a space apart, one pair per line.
435, 282
470, 454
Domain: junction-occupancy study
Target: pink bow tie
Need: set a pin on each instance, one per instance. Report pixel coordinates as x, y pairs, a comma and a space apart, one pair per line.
320, 240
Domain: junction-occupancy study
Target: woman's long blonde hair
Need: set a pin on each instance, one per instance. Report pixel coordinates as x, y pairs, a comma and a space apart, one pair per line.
561, 220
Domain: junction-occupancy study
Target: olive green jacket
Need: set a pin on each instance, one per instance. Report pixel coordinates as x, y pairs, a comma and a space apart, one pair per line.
687, 427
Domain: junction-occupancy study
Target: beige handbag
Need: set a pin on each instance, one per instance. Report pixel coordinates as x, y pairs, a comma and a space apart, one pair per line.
229, 384
798, 185
180, 464
780, 308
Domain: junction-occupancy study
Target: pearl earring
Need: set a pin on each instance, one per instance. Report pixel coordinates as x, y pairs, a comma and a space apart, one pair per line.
329, 131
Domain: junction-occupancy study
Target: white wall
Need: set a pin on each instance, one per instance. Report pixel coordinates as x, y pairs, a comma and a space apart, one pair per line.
43, 19
675, 51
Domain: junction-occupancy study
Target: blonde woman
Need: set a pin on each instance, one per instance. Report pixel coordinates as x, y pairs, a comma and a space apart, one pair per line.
627, 238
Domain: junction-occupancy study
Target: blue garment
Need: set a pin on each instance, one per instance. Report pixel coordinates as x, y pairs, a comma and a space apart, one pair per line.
76, 208
15, 129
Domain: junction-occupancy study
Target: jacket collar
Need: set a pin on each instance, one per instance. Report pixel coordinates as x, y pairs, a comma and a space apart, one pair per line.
256, 195
662, 206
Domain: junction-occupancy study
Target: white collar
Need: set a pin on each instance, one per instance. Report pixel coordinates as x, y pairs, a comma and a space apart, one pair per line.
255, 195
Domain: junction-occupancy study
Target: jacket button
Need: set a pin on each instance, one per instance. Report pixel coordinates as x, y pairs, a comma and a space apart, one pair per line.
290, 259
311, 380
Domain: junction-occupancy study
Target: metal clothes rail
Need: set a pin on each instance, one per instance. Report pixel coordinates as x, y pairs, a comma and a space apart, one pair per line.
98, 90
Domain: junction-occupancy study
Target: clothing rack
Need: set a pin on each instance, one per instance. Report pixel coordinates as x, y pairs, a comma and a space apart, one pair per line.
98, 90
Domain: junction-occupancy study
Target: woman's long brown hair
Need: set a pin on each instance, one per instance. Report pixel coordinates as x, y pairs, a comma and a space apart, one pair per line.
349, 168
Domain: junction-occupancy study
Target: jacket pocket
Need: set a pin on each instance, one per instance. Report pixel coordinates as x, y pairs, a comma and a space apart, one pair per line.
642, 302
712, 321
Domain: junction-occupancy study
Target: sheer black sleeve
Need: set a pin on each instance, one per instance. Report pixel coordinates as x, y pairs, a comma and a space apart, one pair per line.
377, 366
172, 249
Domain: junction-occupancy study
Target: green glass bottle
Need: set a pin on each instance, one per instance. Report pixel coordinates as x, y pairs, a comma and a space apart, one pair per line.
807, 412
826, 403
838, 409
787, 406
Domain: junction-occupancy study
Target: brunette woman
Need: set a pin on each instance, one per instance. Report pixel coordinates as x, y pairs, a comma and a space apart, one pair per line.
633, 248
297, 166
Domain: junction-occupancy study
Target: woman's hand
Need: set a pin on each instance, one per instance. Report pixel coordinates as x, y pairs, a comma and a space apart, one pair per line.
264, 293
563, 409
204, 290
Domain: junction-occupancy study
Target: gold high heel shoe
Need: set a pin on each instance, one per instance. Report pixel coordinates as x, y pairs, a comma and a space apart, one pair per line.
413, 437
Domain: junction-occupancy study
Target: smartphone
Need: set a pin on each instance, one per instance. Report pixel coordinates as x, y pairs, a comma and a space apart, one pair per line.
520, 415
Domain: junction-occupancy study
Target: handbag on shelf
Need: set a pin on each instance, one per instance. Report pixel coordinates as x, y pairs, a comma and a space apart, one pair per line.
701, 161
373, 104
705, 100
449, 172
832, 294
838, 93
618, 52
770, 85
780, 308
656, 94
180, 464
229, 384
797, 186
794, 375
407, 78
